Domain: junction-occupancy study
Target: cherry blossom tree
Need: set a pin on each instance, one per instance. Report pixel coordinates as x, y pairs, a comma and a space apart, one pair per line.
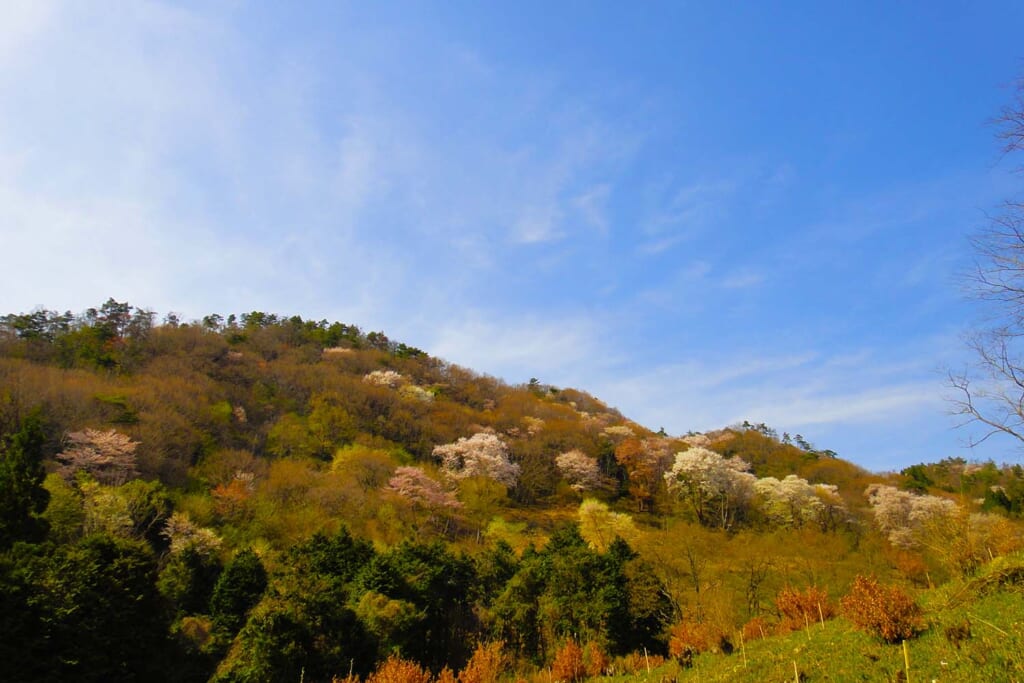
481, 455
580, 470
424, 493
902, 515
108, 456
717, 489
416, 486
385, 378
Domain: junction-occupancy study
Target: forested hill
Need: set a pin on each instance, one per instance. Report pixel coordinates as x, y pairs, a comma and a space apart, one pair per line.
271, 498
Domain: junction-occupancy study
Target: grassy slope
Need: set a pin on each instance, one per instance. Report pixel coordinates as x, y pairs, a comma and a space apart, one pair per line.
836, 652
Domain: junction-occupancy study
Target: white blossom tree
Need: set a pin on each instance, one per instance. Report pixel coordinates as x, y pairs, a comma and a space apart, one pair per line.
109, 456
481, 455
385, 378
902, 515
580, 470
717, 489
790, 502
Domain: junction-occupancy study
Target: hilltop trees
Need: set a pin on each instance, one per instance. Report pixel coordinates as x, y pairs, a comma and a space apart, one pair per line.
263, 438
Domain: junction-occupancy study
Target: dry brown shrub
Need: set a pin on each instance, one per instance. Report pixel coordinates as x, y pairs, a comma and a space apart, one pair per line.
688, 638
884, 611
397, 670
799, 610
755, 629
488, 662
568, 664
595, 659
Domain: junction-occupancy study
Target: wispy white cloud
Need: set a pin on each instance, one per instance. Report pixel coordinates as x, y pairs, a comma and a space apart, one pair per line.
796, 391
518, 347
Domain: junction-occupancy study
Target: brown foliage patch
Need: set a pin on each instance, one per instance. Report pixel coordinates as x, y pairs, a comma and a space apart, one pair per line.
801, 609
755, 629
488, 662
884, 611
689, 638
568, 664
595, 659
398, 670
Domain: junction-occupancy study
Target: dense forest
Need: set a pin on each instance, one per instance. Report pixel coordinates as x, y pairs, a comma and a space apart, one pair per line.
268, 498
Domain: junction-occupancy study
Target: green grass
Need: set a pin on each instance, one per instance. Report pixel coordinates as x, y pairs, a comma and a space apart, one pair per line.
992, 603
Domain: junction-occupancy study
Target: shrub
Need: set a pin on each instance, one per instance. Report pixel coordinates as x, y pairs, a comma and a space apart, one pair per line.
595, 659
799, 610
397, 670
488, 662
689, 638
884, 611
568, 664
755, 629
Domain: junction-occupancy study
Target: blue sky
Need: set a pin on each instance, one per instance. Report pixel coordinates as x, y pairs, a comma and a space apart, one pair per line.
699, 212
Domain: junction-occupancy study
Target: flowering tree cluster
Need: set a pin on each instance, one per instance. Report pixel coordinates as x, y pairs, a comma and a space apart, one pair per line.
417, 487
717, 489
385, 378
721, 491
417, 393
793, 502
580, 470
108, 456
902, 515
184, 534
702, 440
481, 455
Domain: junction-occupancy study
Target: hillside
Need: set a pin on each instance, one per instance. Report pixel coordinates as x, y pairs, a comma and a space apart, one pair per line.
261, 497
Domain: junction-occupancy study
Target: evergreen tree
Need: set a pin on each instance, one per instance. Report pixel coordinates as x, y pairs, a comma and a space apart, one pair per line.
238, 589
22, 496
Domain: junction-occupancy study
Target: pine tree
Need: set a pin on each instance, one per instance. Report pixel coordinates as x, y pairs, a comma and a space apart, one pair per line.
22, 496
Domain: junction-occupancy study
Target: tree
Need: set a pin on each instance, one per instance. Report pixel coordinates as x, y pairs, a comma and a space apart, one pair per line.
238, 589
481, 455
581, 471
717, 489
645, 461
990, 393
108, 456
22, 496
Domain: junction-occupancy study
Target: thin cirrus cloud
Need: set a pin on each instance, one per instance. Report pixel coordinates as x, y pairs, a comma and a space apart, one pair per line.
586, 218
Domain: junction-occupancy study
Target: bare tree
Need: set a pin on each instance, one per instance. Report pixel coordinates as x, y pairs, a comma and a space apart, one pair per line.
991, 392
